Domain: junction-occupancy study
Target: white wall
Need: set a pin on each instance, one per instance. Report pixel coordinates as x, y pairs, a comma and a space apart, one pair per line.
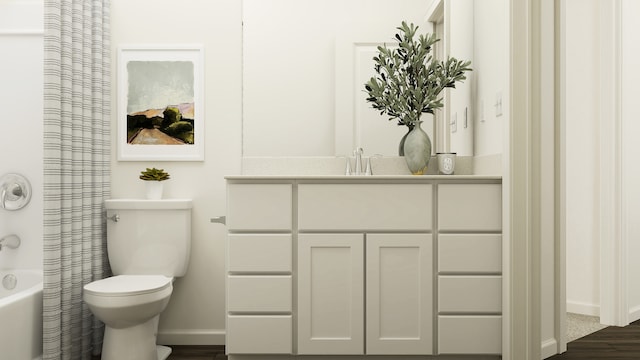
631, 148
583, 29
583, 127
196, 312
582, 156
21, 39
490, 75
479, 31
461, 46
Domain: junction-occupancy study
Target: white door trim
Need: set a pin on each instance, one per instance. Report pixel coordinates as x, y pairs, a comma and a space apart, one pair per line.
560, 317
522, 186
613, 237
545, 173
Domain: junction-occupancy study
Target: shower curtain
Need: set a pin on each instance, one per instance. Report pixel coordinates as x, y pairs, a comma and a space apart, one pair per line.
76, 171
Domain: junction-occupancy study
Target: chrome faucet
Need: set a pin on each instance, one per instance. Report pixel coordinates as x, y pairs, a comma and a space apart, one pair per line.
11, 241
358, 154
369, 169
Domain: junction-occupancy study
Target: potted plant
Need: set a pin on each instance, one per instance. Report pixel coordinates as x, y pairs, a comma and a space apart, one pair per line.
409, 82
154, 178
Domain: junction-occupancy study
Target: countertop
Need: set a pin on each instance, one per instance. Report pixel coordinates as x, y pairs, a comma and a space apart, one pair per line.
365, 178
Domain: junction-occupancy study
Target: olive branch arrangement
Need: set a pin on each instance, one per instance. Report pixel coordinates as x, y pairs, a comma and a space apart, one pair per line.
409, 80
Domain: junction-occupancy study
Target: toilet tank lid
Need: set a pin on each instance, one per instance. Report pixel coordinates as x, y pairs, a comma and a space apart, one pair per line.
142, 204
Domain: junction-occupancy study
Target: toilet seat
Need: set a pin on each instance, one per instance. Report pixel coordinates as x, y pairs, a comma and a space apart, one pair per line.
128, 285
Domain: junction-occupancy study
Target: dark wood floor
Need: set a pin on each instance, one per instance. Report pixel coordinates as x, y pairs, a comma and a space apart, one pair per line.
612, 343
609, 343
204, 352
193, 352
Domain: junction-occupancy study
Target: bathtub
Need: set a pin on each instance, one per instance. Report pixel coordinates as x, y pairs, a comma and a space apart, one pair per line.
21, 313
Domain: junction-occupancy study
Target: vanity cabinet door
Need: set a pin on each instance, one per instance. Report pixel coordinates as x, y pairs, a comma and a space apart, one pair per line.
399, 294
330, 294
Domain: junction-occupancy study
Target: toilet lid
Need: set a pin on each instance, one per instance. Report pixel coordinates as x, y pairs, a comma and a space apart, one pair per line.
128, 285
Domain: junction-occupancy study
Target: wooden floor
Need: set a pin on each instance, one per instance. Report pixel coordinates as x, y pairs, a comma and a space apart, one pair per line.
609, 343
204, 352
613, 343
193, 352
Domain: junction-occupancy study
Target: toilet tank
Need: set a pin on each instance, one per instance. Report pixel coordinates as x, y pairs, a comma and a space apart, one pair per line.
149, 237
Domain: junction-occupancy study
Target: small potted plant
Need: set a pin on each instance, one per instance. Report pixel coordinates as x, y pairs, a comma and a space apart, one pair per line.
408, 83
154, 178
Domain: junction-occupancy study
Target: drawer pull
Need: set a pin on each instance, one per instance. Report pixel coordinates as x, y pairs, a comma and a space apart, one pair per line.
219, 220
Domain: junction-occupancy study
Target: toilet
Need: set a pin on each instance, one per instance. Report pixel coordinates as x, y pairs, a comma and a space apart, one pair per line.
149, 243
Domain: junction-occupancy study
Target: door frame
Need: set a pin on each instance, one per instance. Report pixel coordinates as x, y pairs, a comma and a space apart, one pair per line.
613, 260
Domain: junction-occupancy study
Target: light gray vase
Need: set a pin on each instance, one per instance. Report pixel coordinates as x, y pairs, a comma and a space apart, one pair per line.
417, 150
401, 146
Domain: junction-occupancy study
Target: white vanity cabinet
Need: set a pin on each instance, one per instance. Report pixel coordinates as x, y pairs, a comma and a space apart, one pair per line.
364, 266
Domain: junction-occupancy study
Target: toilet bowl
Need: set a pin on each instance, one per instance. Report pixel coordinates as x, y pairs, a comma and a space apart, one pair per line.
149, 244
129, 306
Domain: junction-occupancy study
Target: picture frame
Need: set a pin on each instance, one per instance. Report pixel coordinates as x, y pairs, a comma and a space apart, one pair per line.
160, 111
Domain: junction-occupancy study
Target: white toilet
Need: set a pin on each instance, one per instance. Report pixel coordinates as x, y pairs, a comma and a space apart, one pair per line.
149, 243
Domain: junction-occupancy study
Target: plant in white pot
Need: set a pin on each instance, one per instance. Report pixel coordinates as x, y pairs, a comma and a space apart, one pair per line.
154, 178
408, 83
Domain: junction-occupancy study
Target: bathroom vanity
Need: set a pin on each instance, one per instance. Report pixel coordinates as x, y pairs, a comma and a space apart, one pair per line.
353, 266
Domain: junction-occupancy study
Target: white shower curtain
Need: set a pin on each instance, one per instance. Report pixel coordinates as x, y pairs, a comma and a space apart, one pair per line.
76, 171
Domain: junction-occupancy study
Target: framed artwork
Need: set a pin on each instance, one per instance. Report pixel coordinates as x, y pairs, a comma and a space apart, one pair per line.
160, 103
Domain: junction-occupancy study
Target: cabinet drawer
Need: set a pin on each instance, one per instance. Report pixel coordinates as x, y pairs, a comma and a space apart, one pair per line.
259, 294
470, 253
470, 207
470, 294
259, 253
259, 207
470, 334
367, 207
259, 334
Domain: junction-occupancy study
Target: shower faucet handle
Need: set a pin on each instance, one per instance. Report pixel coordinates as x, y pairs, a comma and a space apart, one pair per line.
15, 192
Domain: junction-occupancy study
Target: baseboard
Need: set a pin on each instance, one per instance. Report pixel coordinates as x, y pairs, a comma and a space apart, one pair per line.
634, 314
549, 348
582, 308
191, 337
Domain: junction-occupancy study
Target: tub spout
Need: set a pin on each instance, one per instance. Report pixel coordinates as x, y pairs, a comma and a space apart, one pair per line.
11, 241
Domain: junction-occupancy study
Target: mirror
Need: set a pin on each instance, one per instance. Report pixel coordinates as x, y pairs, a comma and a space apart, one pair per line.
305, 63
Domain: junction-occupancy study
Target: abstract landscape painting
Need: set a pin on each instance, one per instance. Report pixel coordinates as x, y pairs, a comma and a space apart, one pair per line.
161, 104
